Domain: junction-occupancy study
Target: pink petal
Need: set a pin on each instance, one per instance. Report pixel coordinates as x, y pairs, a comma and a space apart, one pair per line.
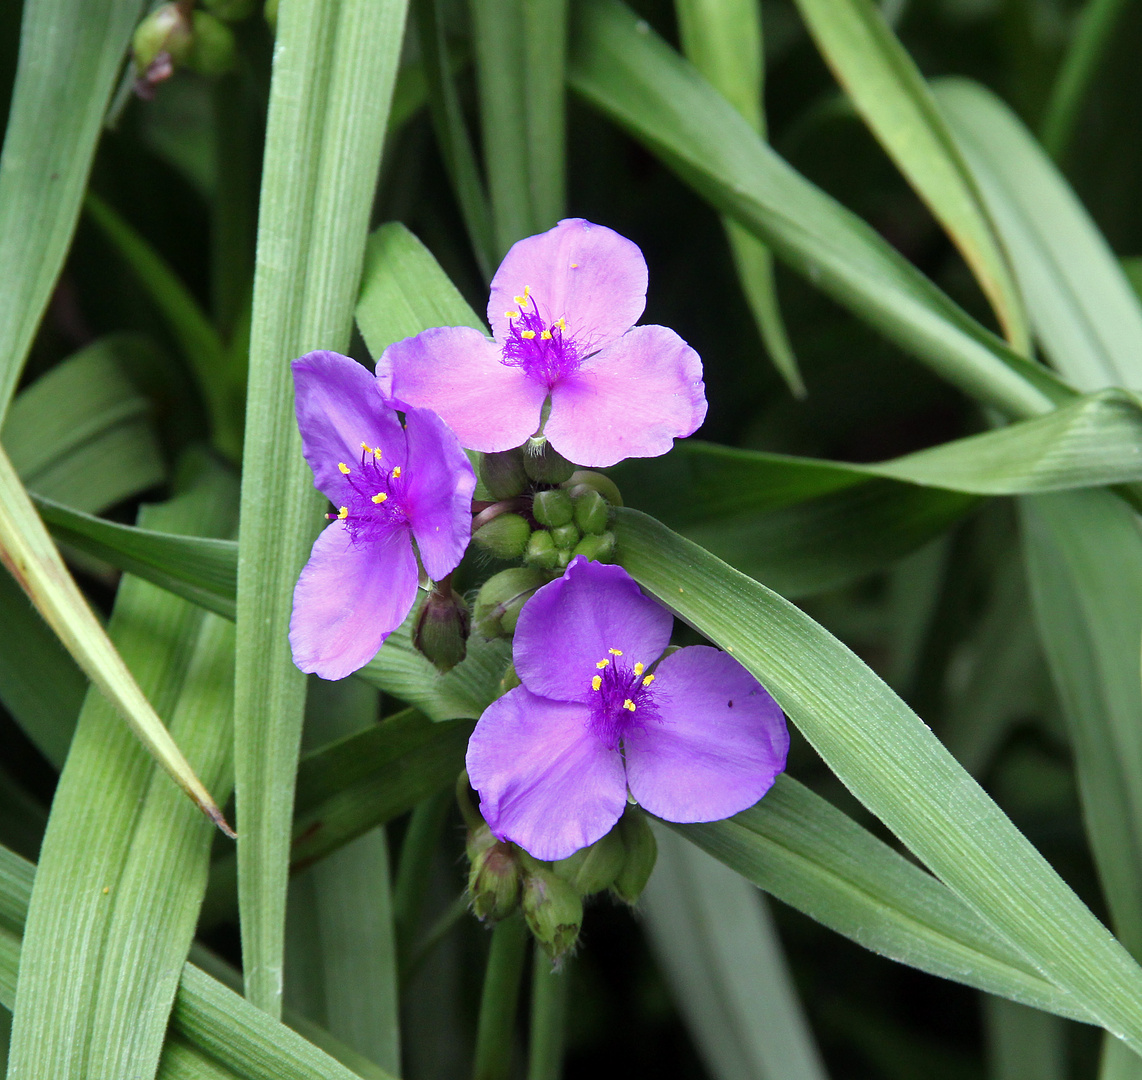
456, 372
717, 746
587, 274
439, 482
349, 598
545, 782
633, 399
570, 624
338, 408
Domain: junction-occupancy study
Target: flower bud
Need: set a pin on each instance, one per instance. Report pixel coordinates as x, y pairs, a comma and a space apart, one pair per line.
494, 877
503, 474
592, 869
565, 536
641, 853
583, 479
501, 597
592, 511
230, 10
441, 632
596, 548
554, 911
545, 465
213, 50
552, 508
165, 30
541, 551
505, 536
562, 559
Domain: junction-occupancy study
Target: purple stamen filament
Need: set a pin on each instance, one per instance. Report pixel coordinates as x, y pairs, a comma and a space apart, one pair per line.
542, 349
371, 497
621, 699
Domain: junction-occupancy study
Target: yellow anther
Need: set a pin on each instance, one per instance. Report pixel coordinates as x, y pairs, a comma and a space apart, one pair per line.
511, 314
396, 473
376, 451
574, 266
380, 497
343, 513
343, 467
639, 669
596, 682
615, 652
648, 680
546, 335
602, 664
366, 447
628, 704
562, 324
529, 334
522, 300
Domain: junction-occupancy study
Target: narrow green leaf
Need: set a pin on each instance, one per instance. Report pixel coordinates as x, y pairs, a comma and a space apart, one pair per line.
895, 102
1023, 1043
894, 764
1082, 307
545, 96
334, 67
620, 66
716, 944
804, 851
70, 55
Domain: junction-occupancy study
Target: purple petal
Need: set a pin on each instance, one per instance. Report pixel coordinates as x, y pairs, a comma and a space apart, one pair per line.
718, 744
569, 625
587, 274
338, 408
456, 372
545, 782
633, 399
349, 598
439, 482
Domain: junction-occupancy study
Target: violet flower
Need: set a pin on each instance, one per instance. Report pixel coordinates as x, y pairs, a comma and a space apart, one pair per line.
694, 738
392, 485
565, 362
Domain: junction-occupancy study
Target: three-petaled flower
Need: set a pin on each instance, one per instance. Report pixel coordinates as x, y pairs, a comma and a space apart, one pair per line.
693, 736
566, 361
392, 485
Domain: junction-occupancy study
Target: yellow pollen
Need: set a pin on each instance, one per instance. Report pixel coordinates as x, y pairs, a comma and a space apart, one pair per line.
639, 669
380, 497
529, 334
343, 513
574, 266
522, 300
377, 452
343, 467
366, 447
396, 473
562, 324
546, 335
602, 664
648, 680
511, 314
615, 652
596, 682
628, 704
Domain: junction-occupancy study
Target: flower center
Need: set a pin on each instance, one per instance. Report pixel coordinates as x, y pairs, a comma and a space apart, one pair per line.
543, 349
621, 698
371, 498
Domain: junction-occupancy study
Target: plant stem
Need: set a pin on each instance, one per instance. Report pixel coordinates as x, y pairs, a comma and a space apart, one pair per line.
548, 1014
494, 1041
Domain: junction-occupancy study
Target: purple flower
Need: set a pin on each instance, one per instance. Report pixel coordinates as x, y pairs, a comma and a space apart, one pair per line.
694, 738
392, 486
562, 309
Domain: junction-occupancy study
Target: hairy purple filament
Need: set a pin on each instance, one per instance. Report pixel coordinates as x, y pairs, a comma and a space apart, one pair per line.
543, 350
371, 498
621, 700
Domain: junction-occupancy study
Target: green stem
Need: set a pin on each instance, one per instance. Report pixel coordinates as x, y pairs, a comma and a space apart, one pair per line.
494, 1036
548, 1016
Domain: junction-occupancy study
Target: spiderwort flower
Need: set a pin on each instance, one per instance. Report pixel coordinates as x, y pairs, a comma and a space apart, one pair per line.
694, 737
564, 362
392, 485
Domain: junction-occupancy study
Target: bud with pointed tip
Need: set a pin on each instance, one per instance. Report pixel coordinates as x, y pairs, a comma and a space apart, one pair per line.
595, 868
641, 853
596, 548
552, 508
504, 475
565, 536
546, 465
505, 536
166, 30
494, 877
592, 512
554, 911
584, 479
501, 597
441, 632
541, 551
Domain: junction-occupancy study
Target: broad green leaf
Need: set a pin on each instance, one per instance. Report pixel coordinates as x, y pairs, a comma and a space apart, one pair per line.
334, 67
1081, 305
70, 56
716, 944
113, 827
804, 851
723, 40
1084, 563
620, 66
893, 99
894, 764
34, 561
